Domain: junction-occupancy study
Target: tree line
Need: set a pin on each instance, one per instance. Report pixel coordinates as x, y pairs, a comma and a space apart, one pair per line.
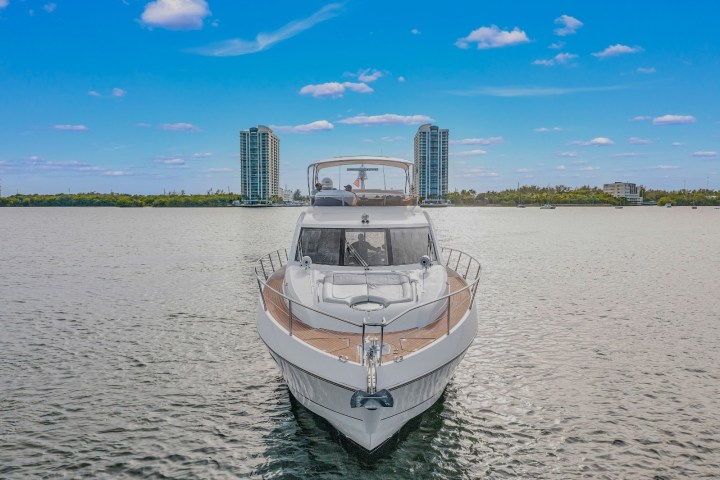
585, 195
528, 195
94, 199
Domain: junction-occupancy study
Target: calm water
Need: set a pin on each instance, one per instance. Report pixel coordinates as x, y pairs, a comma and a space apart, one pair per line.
128, 348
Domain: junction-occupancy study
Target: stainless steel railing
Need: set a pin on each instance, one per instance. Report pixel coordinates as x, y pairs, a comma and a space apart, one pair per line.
455, 260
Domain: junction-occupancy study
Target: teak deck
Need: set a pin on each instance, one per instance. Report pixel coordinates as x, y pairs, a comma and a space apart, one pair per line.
345, 344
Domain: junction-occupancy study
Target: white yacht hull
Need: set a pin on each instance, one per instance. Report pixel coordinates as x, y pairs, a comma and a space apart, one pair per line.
324, 384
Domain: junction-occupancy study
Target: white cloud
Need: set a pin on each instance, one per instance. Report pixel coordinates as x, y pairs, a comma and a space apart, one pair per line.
559, 59
3, 3
171, 161
546, 129
315, 126
646, 70
533, 91
673, 120
74, 128
179, 127
588, 169
387, 119
545, 63
93, 93
118, 92
469, 153
219, 170
202, 155
556, 45
568, 154
524, 170
369, 75
597, 141
117, 173
478, 172
334, 89
630, 155
175, 14
493, 37
560, 167
569, 25
143, 125
49, 7
706, 154
396, 138
664, 167
615, 50
415, 31
401, 79
677, 144
639, 141
263, 41
641, 118
477, 141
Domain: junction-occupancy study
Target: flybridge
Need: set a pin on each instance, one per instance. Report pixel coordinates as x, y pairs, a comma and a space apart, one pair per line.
325, 192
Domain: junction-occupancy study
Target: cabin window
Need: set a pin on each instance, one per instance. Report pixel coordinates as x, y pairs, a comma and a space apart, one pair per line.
410, 244
375, 247
320, 244
369, 245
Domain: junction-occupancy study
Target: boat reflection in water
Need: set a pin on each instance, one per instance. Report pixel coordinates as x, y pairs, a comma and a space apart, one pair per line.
366, 316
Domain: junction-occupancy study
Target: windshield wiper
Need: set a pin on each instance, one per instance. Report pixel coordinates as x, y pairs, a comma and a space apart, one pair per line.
357, 256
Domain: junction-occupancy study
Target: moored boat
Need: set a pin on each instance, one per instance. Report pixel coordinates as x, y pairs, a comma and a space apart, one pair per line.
365, 314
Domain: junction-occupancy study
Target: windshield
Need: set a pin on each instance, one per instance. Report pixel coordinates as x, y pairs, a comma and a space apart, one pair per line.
371, 247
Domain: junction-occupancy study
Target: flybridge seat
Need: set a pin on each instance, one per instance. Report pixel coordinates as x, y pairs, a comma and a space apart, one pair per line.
355, 288
334, 198
362, 198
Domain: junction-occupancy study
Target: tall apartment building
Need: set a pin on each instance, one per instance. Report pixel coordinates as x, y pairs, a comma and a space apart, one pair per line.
431, 163
259, 164
628, 191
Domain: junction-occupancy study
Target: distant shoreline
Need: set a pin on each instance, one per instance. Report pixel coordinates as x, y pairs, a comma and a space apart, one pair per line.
530, 196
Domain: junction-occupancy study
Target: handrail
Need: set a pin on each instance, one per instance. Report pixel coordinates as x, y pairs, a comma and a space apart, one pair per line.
451, 255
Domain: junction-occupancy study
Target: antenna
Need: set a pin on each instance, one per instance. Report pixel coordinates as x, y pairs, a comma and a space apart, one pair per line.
362, 173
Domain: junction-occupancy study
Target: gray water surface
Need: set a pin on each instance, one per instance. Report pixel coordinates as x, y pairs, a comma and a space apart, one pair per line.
128, 348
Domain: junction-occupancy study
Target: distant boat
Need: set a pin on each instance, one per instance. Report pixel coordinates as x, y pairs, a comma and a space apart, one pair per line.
547, 206
435, 203
252, 203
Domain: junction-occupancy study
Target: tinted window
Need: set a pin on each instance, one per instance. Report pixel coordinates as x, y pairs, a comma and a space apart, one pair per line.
327, 246
320, 244
368, 244
410, 244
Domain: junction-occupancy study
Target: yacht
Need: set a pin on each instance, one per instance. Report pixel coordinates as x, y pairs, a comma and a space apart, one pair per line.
433, 203
547, 206
365, 314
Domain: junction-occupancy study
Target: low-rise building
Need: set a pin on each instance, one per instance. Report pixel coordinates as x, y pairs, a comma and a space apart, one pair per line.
628, 191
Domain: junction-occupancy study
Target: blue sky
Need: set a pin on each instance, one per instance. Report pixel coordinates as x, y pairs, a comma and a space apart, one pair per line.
140, 97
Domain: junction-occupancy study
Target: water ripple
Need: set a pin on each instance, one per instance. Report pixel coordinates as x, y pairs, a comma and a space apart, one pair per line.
128, 348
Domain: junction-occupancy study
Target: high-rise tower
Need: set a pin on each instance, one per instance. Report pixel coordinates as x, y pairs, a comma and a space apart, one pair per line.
431, 163
259, 164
